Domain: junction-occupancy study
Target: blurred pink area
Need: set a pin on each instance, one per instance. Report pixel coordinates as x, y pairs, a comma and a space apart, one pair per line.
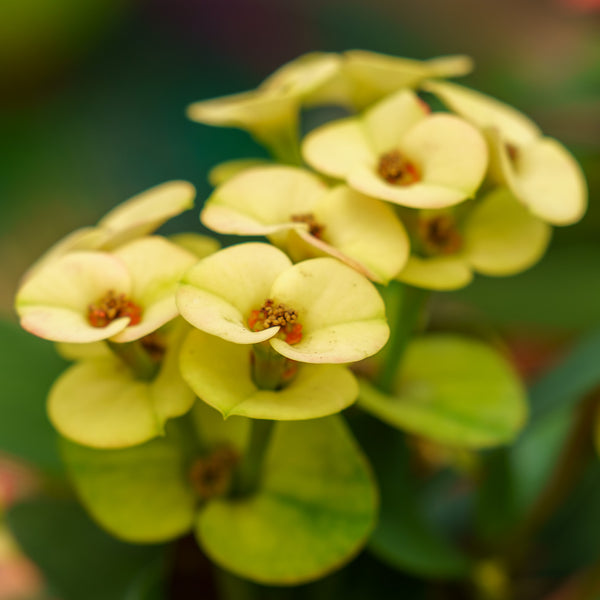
19, 577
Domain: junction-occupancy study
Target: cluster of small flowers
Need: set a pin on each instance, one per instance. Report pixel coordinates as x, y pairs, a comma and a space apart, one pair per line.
397, 191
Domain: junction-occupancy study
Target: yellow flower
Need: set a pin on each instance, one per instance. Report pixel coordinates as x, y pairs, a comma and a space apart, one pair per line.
498, 236
539, 171
399, 152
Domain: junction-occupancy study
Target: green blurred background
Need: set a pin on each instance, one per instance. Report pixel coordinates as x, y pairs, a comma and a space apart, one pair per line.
93, 94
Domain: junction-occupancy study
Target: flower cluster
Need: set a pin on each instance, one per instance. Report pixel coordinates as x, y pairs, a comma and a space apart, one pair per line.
393, 192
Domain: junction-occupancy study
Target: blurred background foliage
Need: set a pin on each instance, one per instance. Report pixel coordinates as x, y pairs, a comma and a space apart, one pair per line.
92, 99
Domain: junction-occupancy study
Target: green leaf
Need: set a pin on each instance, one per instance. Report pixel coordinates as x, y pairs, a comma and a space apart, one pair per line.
404, 537
28, 367
452, 390
138, 494
78, 559
312, 513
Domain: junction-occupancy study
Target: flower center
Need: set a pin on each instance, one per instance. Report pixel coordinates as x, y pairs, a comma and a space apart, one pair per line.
277, 315
396, 169
212, 475
440, 235
513, 152
314, 227
113, 306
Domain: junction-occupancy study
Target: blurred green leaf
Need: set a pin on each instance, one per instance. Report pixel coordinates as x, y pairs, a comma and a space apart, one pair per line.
404, 538
453, 390
566, 384
561, 292
28, 366
312, 513
78, 559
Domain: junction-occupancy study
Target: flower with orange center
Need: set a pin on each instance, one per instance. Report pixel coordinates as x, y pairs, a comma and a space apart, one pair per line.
398, 151
237, 292
539, 171
496, 236
305, 218
87, 296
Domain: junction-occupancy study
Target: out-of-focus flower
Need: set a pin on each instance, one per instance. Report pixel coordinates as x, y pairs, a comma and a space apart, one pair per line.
317, 311
399, 152
365, 77
87, 296
270, 113
134, 218
539, 171
498, 237
100, 402
306, 219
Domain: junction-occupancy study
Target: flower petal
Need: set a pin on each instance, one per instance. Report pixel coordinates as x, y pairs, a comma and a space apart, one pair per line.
219, 293
220, 373
547, 179
341, 312
262, 200
337, 148
54, 301
448, 151
441, 273
100, 404
147, 211
376, 75
200, 246
156, 266
224, 171
485, 111
389, 120
502, 237
416, 195
363, 229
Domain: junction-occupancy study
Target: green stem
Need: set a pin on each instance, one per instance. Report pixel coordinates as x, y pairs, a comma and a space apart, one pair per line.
250, 469
268, 367
404, 307
136, 358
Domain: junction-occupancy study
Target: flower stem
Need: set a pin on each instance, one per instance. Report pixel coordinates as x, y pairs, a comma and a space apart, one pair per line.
250, 469
404, 307
268, 367
136, 358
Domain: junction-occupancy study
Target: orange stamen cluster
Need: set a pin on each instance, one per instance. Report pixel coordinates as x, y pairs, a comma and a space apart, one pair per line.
314, 227
395, 169
113, 306
440, 235
272, 315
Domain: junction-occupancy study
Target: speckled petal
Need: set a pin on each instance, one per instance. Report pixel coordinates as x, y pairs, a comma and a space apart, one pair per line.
337, 148
147, 211
219, 372
156, 266
53, 303
442, 273
341, 312
219, 293
485, 111
502, 237
262, 200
